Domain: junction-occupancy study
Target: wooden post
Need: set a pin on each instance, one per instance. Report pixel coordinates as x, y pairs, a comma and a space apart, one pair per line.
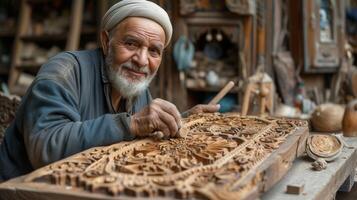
75, 27
24, 21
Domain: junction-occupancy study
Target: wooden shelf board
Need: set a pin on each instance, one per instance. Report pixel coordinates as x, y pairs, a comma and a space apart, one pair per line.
19, 90
4, 70
28, 65
7, 33
211, 89
88, 30
44, 37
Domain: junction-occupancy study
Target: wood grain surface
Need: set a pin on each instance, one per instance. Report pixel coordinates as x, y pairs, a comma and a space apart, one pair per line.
222, 157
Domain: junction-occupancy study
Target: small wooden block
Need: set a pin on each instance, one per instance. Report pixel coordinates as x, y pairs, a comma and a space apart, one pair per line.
295, 188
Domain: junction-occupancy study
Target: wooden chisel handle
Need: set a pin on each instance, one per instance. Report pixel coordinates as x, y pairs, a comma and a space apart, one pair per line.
222, 93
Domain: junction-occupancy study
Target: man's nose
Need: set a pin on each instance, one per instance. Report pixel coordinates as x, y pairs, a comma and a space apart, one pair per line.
141, 57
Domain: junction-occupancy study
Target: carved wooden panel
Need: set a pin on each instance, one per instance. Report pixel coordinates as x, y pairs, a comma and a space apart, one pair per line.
323, 22
222, 157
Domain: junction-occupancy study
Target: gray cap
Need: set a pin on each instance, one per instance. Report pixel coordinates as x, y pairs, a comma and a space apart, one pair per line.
137, 8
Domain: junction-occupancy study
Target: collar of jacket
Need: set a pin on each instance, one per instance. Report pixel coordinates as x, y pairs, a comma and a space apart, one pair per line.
103, 68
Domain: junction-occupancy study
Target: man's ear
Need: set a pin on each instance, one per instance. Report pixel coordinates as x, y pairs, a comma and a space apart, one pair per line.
104, 40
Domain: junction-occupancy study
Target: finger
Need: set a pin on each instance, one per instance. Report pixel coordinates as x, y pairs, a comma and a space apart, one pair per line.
171, 109
157, 134
150, 123
210, 108
140, 126
164, 129
163, 120
168, 120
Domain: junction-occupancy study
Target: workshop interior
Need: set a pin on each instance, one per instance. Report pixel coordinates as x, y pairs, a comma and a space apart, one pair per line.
284, 73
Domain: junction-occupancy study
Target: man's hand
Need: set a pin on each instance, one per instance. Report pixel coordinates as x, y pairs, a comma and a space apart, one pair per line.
160, 115
202, 108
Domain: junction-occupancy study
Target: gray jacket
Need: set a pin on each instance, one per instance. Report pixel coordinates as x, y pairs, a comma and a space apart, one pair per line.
67, 109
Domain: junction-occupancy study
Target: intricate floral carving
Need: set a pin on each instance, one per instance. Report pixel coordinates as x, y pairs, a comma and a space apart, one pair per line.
210, 162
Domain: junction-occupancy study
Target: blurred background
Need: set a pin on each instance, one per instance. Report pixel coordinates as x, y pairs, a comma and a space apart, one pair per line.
286, 57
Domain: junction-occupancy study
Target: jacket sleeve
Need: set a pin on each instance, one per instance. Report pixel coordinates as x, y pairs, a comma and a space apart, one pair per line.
53, 129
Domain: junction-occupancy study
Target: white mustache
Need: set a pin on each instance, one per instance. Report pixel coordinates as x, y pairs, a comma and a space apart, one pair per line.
131, 65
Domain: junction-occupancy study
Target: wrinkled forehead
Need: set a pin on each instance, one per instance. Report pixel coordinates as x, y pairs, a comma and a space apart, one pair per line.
142, 26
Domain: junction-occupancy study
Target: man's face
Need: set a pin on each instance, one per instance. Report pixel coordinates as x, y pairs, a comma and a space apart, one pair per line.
134, 55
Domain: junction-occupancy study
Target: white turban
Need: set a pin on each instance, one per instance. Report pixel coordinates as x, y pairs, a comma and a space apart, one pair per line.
137, 8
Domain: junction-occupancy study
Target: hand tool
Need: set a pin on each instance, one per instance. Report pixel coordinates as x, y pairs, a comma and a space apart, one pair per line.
222, 93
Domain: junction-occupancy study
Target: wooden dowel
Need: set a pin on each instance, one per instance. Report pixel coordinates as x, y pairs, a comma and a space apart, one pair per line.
222, 93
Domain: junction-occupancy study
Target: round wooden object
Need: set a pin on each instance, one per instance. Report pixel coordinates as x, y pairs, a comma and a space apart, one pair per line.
323, 146
327, 118
349, 123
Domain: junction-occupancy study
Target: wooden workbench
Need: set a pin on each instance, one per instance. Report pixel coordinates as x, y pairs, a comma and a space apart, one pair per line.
318, 185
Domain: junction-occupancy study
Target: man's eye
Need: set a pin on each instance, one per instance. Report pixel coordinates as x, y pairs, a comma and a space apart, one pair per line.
155, 52
131, 44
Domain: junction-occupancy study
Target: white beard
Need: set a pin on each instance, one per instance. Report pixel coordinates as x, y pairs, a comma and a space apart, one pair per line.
128, 89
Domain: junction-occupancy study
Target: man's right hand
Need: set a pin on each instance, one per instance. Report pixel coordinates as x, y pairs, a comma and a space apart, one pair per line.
159, 115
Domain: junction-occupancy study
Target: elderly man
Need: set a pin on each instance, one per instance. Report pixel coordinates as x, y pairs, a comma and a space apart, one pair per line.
92, 98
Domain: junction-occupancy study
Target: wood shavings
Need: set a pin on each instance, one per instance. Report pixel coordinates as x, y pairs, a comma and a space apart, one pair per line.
319, 164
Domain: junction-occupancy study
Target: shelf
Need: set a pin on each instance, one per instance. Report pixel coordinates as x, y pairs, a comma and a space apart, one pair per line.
37, 1
211, 89
4, 70
43, 41
44, 37
29, 66
89, 30
19, 90
7, 33
23, 83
